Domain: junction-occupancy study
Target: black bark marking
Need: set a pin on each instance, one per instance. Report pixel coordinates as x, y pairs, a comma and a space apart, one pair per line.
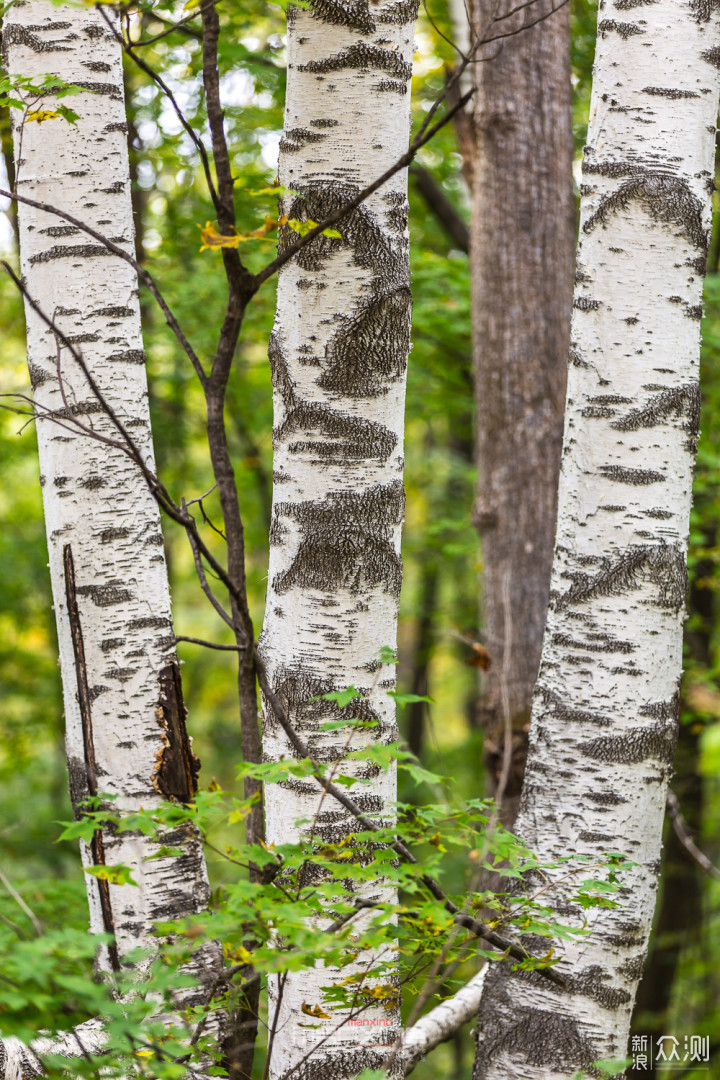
362, 55
702, 10
598, 643
280, 372
677, 401
637, 477
176, 773
104, 89
370, 348
371, 248
113, 312
401, 12
128, 356
300, 693
296, 138
535, 1036
668, 199
149, 622
347, 541
106, 595
661, 564
712, 56
97, 65
569, 714
335, 437
352, 13
79, 251
391, 86
15, 34
585, 303
590, 983
624, 29
75, 783
669, 92
615, 169
60, 230
637, 745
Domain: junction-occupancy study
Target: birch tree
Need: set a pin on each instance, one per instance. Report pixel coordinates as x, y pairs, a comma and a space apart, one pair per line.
126, 730
522, 247
605, 708
338, 353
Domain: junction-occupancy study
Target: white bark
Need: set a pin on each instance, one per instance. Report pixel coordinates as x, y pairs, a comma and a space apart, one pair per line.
605, 709
18, 1062
339, 354
441, 1023
125, 719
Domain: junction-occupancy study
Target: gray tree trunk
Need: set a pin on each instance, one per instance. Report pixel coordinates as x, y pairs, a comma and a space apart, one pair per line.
521, 253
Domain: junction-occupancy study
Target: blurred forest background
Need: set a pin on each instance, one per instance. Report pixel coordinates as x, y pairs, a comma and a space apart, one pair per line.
680, 993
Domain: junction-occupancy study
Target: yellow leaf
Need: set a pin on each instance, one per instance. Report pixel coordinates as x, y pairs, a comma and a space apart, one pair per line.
42, 114
212, 240
314, 1010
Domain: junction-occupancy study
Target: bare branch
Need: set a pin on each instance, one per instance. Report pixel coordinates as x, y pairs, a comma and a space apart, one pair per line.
473, 925
140, 270
683, 835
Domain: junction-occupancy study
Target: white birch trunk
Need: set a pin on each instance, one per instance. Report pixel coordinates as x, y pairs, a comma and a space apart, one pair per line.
605, 710
125, 720
441, 1023
339, 355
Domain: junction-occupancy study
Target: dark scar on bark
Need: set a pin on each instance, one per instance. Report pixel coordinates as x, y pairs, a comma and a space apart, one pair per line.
624, 29
335, 437
702, 10
636, 477
676, 401
638, 744
346, 541
668, 199
176, 772
662, 564
370, 348
354, 14
296, 138
91, 787
404, 11
362, 55
569, 714
712, 56
371, 248
537, 1037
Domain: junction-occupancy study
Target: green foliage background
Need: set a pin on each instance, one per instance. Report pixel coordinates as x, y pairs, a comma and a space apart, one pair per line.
170, 202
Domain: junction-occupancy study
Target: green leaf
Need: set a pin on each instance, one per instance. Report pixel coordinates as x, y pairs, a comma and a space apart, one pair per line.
116, 875
401, 700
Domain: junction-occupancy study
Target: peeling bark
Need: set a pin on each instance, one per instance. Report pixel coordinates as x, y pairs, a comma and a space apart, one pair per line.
604, 723
338, 354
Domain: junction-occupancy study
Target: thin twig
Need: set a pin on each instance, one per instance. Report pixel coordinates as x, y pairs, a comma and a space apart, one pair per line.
681, 831
143, 274
475, 927
208, 644
37, 925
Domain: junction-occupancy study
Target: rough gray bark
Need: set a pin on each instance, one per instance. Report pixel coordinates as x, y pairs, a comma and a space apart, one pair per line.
521, 252
604, 723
